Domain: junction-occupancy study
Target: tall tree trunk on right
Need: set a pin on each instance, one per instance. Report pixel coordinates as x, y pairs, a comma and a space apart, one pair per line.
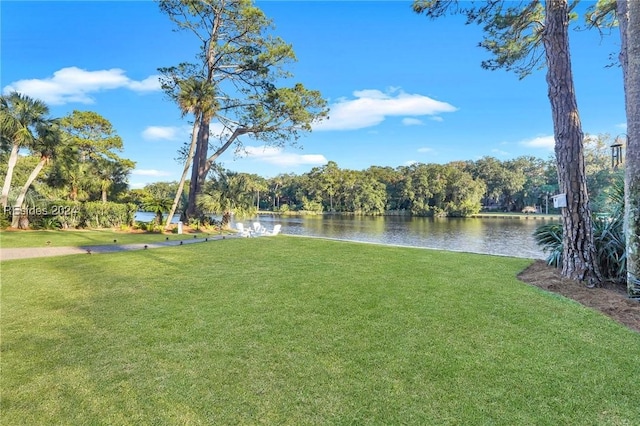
579, 260
629, 18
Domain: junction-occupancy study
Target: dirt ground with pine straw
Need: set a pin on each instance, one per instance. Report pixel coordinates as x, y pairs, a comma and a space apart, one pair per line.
611, 299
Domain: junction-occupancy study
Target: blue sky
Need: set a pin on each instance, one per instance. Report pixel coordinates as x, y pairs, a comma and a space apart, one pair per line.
401, 88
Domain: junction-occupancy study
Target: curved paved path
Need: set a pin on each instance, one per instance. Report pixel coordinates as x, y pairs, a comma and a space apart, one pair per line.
30, 252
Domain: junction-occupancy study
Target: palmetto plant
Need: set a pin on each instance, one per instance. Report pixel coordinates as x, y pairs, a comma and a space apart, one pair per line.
608, 234
228, 194
610, 239
549, 238
158, 205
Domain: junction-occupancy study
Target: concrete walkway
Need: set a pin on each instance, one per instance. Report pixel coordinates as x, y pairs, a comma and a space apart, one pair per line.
30, 252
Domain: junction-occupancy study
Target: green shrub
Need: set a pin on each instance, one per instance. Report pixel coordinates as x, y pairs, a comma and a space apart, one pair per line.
4, 221
97, 214
47, 222
66, 213
549, 237
608, 235
149, 226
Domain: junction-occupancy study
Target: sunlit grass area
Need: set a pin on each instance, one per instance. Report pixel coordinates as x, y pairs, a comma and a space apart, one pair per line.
291, 330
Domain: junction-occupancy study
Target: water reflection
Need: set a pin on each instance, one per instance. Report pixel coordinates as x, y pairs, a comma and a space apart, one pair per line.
509, 237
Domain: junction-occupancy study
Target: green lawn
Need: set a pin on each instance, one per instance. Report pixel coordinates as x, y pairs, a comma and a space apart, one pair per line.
290, 330
75, 238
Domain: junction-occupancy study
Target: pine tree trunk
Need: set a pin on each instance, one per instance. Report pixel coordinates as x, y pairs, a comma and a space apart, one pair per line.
202, 168
630, 59
579, 255
195, 185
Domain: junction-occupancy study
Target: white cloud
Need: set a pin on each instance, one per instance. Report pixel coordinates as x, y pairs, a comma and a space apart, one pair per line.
437, 118
622, 126
172, 133
137, 185
278, 157
425, 149
150, 172
412, 122
500, 152
149, 84
73, 84
410, 163
372, 93
546, 142
371, 107
169, 133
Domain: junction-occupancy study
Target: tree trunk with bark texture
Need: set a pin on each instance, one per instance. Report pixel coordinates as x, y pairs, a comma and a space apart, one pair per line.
579, 255
629, 18
199, 158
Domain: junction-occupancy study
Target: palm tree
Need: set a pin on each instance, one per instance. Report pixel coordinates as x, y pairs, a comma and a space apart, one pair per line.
45, 145
158, 205
229, 194
110, 172
20, 121
196, 97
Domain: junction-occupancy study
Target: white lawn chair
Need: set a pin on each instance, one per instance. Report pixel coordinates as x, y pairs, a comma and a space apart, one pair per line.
243, 232
258, 229
275, 231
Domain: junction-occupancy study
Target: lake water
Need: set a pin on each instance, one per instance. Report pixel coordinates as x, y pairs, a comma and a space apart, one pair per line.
507, 237
148, 217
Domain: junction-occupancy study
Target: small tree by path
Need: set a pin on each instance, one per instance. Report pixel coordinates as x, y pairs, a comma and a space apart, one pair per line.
158, 206
46, 145
21, 120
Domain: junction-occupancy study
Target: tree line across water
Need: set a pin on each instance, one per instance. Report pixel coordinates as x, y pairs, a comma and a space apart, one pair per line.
460, 188
75, 160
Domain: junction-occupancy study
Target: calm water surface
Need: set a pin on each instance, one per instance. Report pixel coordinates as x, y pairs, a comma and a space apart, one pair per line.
508, 237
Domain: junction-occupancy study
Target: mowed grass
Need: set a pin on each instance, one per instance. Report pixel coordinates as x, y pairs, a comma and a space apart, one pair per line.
77, 238
290, 330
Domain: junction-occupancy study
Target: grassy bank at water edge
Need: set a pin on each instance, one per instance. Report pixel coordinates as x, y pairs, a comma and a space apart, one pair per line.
296, 331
